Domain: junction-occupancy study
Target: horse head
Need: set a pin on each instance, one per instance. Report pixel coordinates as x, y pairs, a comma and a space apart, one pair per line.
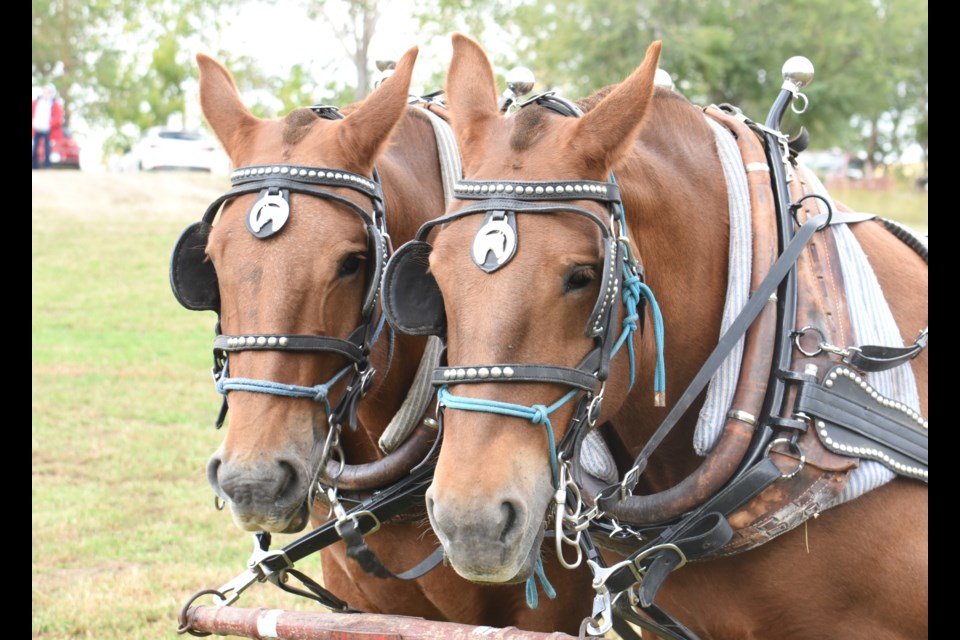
524, 296
290, 258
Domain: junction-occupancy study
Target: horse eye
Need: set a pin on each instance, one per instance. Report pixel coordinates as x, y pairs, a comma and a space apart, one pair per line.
350, 266
580, 278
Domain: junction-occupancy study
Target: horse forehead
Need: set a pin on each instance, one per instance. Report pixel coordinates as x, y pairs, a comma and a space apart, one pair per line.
317, 230
546, 243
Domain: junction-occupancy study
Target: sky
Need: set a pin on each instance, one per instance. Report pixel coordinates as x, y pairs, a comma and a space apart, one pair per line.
260, 28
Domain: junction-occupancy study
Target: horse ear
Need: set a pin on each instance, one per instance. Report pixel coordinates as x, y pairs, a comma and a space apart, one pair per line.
366, 131
607, 131
471, 92
221, 104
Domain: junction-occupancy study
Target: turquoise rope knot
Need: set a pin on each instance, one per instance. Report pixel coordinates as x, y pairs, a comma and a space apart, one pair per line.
322, 392
540, 414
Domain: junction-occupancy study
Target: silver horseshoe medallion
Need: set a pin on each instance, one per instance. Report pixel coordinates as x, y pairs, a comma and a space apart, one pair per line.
269, 213
496, 241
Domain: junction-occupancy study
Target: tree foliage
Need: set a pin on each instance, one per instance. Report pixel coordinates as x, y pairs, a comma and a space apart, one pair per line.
870, 56
130, 65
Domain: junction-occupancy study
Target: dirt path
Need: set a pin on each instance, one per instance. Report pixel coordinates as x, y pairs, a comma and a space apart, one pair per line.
84, 194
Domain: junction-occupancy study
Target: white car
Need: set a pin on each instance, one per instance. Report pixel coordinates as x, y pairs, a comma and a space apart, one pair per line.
162, 148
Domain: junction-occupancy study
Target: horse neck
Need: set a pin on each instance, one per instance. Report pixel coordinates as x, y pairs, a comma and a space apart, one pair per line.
410, 174
675, 201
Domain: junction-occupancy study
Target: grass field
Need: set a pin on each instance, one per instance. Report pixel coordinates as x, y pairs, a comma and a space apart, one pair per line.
123, 406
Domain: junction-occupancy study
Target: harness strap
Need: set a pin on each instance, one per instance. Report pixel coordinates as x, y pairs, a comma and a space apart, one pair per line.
364, 556
880, 358
701, 533
367, 517
614, 499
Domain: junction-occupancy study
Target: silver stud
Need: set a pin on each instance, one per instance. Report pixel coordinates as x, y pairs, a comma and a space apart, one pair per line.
528, 190
496, 372
283, 169
282, 341
828, 383
549, 189
823, 432
471, 373
483, 372
568, 189
312, 173
508, 372
829, 441
499, 187
261, 341
539, 190
578, 188
272, 341
461, 374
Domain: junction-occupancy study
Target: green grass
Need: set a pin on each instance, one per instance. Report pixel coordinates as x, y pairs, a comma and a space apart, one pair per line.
908, 206
123, 524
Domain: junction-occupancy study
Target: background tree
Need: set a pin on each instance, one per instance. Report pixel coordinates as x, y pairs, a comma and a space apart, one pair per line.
354, 34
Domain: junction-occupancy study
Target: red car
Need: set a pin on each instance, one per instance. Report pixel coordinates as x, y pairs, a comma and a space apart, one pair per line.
64, 150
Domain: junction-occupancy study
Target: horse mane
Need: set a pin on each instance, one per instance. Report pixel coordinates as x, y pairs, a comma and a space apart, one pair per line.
530, 123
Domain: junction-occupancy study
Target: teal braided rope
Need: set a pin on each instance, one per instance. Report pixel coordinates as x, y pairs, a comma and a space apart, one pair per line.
631, 298
537, 414
633, 288
318, 393
660, 374
532, 598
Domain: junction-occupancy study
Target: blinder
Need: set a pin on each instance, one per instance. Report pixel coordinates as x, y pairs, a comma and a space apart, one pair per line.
412, 301
193, 277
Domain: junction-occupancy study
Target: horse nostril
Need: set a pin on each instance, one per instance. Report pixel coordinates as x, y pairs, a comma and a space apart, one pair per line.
213, 473
509, 512
289, 485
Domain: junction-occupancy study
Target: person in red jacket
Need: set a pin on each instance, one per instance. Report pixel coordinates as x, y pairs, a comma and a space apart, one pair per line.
47, 117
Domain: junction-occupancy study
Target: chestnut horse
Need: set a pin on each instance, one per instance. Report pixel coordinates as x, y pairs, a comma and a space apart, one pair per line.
292, 266
535, 249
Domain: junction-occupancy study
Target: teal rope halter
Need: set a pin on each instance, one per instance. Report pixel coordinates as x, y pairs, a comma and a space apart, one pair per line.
319, 393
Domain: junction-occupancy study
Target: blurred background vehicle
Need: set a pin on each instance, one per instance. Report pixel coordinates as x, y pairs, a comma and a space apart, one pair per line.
64, 150
840, 170
162, 148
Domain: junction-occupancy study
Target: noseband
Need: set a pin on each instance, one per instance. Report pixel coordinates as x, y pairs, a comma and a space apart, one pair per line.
193, 277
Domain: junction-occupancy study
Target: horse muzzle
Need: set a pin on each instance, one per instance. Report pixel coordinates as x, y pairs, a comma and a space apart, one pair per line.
269, 495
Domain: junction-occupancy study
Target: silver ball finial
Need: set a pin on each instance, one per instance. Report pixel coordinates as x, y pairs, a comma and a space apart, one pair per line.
799, 71
663, 79
520, 81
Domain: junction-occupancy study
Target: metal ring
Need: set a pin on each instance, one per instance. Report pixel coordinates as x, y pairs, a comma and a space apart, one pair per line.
793, 103
799, 334
803, 458
219, 503
185, 625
